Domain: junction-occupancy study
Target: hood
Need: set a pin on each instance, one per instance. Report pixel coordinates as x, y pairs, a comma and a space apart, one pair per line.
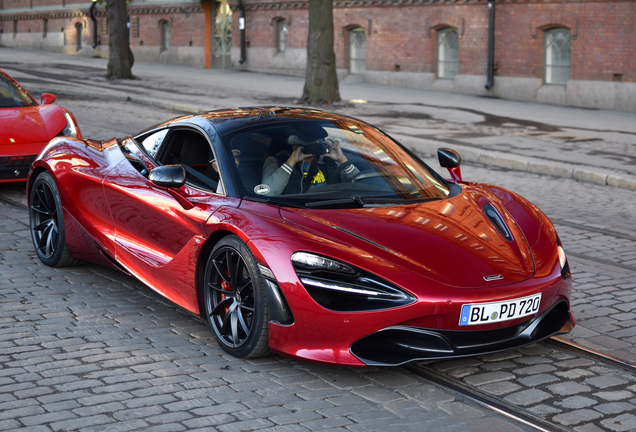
450, 241
28, 125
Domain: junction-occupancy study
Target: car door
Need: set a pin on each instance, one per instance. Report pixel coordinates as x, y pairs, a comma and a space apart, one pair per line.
159, 231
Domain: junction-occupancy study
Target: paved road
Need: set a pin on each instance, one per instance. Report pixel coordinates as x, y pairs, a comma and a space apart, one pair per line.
86, 348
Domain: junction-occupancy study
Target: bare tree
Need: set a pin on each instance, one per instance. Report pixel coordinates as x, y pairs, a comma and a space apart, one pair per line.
120, 57
321, 81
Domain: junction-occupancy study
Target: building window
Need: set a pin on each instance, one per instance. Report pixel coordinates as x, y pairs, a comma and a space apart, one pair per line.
104, 26
45, 27
282, 34
134, 26
165, 35
15, 28
557, 56
357, 51
447, 53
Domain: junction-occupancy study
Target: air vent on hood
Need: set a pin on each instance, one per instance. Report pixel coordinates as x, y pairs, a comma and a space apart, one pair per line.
496, 219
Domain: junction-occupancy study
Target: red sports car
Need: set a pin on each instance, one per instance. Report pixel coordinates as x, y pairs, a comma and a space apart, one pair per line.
26, 127
306, 233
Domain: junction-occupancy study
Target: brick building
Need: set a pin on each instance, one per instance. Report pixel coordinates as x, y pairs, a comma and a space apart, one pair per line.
573, 52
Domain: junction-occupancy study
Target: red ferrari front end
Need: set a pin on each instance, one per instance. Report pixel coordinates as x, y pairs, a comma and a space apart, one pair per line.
26, 127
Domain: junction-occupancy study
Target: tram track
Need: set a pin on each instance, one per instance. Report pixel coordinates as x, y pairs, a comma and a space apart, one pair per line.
486, 400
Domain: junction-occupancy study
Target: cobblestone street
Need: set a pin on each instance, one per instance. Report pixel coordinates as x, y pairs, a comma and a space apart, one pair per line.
87, 348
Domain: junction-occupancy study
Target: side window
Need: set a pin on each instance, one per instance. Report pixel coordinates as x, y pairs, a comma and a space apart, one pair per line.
192, 150
152, 142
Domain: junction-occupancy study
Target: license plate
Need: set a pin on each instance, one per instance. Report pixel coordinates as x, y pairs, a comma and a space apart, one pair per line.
487, 313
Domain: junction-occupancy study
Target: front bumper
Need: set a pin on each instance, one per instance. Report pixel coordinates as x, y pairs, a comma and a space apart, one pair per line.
15, 168
397, 345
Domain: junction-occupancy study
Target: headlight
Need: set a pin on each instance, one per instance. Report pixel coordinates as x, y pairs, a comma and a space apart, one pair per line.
70, 130
563, 261
340, 287
315, 262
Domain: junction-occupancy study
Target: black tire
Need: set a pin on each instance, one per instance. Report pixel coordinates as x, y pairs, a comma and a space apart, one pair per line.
235, 301
47, 223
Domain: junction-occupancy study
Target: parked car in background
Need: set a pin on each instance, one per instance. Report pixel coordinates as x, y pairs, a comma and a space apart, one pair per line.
308, 234
26, 126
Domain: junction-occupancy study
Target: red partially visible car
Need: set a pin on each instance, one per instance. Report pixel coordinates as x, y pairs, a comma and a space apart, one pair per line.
27, 126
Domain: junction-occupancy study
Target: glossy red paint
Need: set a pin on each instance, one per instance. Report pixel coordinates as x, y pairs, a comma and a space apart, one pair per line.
25, 130
439, 252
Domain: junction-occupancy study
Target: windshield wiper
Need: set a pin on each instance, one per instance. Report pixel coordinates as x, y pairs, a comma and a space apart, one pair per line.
369, 201
268, 200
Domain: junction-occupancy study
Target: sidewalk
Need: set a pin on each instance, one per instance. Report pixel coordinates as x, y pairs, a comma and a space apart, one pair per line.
588, 145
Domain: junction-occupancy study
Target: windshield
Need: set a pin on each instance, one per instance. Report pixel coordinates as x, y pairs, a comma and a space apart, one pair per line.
331, 163
12, 94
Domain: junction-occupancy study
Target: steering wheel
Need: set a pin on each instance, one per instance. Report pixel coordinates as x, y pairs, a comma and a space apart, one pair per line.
336, 174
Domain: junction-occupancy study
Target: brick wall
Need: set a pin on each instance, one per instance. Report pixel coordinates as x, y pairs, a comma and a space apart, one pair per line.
403, 37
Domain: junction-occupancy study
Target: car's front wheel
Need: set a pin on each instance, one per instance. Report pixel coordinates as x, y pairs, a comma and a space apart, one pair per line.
47, 223
235, 300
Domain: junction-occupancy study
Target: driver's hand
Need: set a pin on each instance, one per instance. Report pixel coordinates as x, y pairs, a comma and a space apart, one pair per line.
335, 152
296, 156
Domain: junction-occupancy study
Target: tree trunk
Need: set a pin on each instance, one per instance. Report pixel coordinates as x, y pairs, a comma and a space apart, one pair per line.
120, 57
321, 81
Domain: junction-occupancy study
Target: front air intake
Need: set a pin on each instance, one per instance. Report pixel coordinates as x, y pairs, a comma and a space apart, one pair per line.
496, 219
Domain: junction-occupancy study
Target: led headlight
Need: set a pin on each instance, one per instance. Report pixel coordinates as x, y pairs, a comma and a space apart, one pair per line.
562, 259
342, 288
70, 130
316, 262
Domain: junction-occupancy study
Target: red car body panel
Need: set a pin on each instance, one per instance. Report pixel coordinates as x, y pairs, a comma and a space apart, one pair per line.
24, 131
439, 251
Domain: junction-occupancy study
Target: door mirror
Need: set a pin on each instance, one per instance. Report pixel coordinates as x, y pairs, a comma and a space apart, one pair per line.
452, 160
170, 176
448, 158
47, 98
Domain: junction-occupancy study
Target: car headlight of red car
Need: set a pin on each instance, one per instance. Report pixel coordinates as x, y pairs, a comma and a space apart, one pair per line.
340, 287
71, 129
563, 261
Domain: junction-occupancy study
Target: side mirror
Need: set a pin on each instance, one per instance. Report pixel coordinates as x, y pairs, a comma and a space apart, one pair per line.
451, 160
47, 98
169, 176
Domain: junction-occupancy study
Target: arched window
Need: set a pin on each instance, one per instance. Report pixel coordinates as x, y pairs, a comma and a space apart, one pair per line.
447, 53
164, 27
357, 51
282, 33
79, 36
557, 56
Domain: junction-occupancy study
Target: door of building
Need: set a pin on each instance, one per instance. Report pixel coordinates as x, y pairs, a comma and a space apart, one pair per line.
222, 35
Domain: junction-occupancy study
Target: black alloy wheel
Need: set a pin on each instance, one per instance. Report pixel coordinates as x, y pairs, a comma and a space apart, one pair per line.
47, 223
235, 300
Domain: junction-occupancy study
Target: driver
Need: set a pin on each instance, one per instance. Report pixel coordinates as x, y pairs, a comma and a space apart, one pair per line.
297, 172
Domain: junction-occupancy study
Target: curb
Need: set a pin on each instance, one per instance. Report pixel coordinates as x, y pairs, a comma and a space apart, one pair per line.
586, 174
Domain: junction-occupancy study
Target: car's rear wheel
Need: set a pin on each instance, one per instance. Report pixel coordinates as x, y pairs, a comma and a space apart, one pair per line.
235, 299
47, 223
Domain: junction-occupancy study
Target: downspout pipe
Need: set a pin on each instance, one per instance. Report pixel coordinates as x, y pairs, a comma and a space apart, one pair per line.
91, 14
241, 8
490, 81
